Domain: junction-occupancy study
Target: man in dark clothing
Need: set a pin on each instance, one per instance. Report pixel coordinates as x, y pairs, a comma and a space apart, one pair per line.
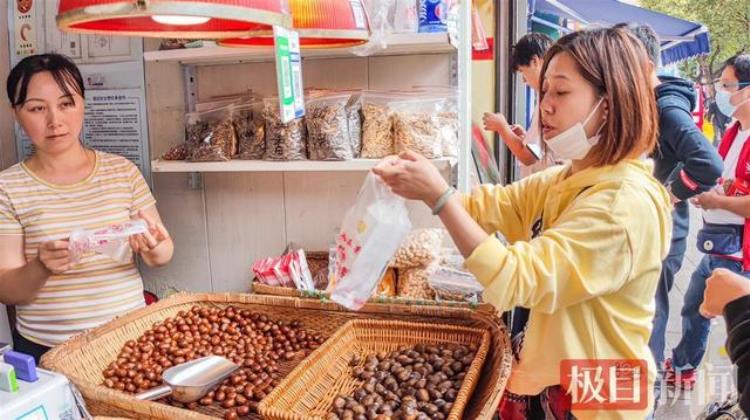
728, 294
685, 162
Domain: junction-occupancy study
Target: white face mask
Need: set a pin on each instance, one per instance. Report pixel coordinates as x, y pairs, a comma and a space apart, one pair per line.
573, 143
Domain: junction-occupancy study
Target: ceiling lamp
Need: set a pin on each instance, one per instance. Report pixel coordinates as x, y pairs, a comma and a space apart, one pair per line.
171, 18
320, 23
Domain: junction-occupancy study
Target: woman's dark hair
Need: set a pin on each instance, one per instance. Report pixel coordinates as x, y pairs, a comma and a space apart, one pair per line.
529, 46
741, 65
615, 63
64, 71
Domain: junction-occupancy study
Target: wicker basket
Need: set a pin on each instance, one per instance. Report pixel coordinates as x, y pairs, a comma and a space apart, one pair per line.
308, 392
83, 358
264, 289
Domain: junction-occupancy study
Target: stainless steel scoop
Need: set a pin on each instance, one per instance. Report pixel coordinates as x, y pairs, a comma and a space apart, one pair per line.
190, 381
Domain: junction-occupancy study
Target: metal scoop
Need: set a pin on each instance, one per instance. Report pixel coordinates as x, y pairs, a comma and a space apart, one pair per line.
190, 381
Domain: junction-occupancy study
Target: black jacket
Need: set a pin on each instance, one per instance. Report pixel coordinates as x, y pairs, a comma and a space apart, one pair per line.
737, 315
684, 160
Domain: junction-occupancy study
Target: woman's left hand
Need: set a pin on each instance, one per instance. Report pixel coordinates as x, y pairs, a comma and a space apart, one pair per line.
147, 241
413, 177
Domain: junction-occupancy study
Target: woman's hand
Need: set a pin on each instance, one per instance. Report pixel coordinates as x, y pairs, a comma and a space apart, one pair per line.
148, 241
722, 288
413, 177
55, 257
708, 200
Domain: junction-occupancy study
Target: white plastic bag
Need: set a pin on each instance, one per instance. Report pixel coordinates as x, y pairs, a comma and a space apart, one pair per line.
111, 241
371, 232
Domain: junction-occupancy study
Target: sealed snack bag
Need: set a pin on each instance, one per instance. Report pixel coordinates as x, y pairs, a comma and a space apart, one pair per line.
370, 234
210, 135
112, 241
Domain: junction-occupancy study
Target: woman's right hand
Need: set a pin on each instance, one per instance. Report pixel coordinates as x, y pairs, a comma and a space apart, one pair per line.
54, 256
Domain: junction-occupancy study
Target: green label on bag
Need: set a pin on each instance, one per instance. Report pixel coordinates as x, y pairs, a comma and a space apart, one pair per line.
289, 73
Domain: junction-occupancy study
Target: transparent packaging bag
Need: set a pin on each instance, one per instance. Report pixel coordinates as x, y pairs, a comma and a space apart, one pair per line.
327, 122
377, 125
112, 241
416, 126
452, 284
354, 122
420, 248
210, 135
370, 234
251, 131
447, 115
380, 15
284, 141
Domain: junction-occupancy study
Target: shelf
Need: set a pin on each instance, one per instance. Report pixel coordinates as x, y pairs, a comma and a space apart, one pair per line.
356, 165
398, 44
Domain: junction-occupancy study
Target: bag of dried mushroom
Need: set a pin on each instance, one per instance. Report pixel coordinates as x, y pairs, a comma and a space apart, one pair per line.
284, 141
327, 122
377, 133
210, 135
251, 132
416, 126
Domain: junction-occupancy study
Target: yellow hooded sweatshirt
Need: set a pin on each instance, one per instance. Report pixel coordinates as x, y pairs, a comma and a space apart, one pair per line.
589, 275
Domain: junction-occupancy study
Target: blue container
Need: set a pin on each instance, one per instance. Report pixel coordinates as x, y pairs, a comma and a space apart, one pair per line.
432, 16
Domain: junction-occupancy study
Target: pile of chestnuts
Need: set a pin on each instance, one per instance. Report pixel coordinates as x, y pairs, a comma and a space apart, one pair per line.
261, 346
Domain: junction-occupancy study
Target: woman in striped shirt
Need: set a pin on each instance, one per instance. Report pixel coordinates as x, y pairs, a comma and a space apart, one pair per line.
61, 187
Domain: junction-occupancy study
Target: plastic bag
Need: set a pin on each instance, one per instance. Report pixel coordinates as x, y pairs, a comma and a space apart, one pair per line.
416, 127
251, 132
284, 141
377, 125
379, 13
388, 284
210, 135
354, 122
413, 283
447, 116
420, 249
406, 19
370, 234
176, 152
451, 284
328, 128
112, 241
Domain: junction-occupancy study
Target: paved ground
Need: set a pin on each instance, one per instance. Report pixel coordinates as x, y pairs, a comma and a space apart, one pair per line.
715, 379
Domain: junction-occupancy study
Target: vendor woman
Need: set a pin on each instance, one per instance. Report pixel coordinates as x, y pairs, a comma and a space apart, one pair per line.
585, 241
61, 187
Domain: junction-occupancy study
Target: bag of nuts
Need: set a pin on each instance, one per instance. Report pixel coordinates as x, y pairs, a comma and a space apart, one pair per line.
327, 122
414, 283
210, 135
284, 141
420, 249
251, 132
377, 125
354, 122
416, 127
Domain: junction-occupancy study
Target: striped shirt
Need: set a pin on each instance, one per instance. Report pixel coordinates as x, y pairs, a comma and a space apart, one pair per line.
97, 288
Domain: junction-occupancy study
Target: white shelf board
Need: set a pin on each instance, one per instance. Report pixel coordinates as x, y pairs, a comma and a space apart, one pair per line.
398, 44
236, 165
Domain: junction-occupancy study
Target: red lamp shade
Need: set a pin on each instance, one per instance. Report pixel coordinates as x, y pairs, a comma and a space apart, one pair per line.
171, 18
320, 23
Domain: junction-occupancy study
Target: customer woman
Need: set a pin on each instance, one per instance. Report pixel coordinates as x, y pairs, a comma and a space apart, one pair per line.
585, 241
63, 186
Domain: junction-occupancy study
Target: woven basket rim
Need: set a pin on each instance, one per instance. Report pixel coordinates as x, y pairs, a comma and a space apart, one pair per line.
55, 358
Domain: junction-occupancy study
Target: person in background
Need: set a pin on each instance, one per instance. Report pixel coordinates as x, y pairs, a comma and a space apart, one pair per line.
725, 236
728, 294
685, 162
526, 59
61, 187
585, 241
